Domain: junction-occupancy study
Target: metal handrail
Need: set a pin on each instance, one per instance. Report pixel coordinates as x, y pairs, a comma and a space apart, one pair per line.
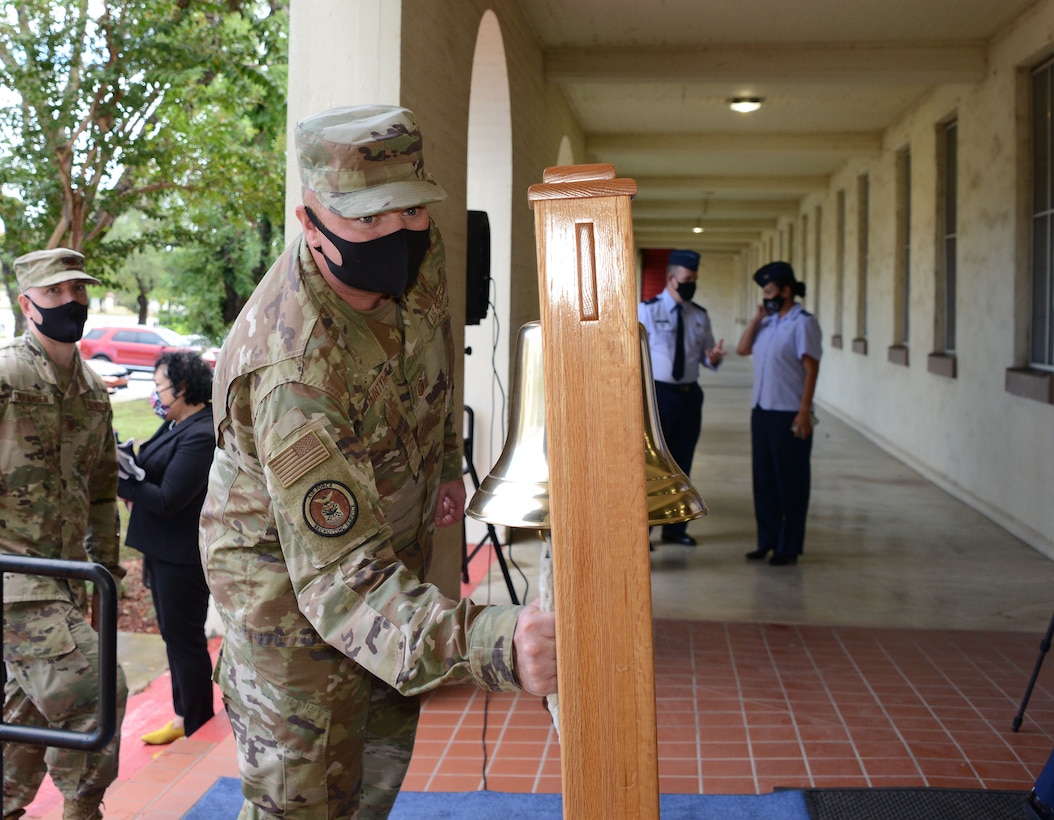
107, 709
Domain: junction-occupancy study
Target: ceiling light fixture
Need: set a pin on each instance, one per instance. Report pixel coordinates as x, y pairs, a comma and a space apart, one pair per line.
745, 105
698, 228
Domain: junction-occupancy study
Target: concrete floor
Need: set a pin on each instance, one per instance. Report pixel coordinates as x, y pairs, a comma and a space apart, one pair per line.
885, 551
884, 546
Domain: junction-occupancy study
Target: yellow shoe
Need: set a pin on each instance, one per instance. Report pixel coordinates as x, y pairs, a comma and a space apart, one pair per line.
166, 734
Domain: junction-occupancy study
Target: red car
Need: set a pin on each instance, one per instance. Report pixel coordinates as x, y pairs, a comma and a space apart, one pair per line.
136, 347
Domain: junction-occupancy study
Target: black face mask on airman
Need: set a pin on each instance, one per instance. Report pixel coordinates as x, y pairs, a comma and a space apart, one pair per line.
686, 290
386, 265
64, 323
773, 305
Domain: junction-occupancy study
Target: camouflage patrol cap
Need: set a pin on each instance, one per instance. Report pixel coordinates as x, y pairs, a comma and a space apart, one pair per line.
41, 269
364, 160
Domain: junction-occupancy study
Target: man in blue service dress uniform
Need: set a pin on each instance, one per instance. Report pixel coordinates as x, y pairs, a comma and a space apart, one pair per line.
681, 339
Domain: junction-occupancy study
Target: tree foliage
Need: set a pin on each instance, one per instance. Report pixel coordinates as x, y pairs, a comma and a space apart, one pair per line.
172, 108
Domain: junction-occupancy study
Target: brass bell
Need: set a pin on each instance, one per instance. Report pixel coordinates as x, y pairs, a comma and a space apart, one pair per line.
516, 492
671, 496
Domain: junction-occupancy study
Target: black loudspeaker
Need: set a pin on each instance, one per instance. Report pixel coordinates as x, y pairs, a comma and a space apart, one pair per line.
477, 268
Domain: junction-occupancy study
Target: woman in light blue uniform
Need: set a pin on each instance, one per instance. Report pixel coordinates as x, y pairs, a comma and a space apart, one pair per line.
785, 341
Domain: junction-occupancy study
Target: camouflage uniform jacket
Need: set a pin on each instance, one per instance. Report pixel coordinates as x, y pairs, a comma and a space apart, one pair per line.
58, 469
333, 435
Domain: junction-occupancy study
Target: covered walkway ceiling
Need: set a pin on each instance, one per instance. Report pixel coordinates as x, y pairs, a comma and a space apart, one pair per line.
650, 81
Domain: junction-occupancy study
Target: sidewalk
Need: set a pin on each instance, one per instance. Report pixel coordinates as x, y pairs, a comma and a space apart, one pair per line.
143, 658
163, 782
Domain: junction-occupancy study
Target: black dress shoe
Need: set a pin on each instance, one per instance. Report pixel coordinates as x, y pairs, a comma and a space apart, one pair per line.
783, 560
683, 540
756, 555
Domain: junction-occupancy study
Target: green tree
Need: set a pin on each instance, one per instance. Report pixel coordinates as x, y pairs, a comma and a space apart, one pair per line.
176, 109
145, 267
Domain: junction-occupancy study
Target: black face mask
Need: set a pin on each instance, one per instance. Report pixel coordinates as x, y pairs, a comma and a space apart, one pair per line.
387, 265
686, 290
64, 323
773, 305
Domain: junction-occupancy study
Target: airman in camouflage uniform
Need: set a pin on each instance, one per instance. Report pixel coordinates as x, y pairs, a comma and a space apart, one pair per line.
58, 497
337, 457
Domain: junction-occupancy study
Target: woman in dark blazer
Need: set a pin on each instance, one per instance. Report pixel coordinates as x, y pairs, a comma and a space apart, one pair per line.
165, 505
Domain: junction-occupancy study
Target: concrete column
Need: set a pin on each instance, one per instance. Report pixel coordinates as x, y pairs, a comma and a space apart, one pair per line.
340, 53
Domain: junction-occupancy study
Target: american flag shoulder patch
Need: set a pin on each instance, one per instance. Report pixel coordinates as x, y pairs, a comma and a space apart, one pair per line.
298, 458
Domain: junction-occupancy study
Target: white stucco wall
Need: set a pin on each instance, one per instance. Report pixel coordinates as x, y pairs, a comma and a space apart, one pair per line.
984, 445
339, 54
716, 291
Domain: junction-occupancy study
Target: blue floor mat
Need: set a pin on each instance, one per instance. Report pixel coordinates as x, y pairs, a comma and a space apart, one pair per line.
224, 799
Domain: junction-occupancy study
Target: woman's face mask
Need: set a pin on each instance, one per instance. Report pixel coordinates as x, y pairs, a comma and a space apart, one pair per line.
386, 265
773, 305
160, 408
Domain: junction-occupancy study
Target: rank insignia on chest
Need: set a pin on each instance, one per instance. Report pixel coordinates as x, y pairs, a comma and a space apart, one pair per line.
330, 509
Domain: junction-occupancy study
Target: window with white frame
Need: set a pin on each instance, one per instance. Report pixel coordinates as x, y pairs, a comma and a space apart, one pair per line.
863, 221
839, 250
1041, 353
817, 247
805, 254
902, 292
949, 187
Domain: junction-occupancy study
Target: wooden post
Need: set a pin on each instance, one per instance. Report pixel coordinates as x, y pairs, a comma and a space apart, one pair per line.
597, 492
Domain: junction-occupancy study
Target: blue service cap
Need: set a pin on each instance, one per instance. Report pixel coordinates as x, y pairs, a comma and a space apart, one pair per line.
684, 259
779, 272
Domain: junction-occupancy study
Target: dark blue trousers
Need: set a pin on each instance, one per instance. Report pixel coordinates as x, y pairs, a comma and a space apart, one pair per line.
782, 475
680, 417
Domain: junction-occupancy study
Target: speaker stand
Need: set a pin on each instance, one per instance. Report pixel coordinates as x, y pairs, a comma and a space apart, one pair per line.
492, 534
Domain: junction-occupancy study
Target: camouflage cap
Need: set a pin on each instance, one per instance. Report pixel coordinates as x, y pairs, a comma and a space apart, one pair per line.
40, 269
364, 160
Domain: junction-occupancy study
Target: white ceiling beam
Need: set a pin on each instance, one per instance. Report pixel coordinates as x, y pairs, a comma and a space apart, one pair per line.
598, 145
722, 250
714, 207
851, 64
643, 221
698, 187
705, 250
672, 236
696, 246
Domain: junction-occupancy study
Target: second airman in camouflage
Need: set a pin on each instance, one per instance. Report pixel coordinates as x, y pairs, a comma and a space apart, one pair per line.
58, 499
337, 457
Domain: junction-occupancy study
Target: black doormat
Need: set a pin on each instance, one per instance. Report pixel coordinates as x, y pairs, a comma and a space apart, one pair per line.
914, 804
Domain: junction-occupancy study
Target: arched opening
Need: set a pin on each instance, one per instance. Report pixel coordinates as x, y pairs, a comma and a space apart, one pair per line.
489, 189
565, 155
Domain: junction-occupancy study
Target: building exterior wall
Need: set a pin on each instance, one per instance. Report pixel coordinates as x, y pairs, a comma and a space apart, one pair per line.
988, 447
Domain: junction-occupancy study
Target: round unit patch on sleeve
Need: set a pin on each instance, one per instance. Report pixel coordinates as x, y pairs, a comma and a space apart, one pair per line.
330, 508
